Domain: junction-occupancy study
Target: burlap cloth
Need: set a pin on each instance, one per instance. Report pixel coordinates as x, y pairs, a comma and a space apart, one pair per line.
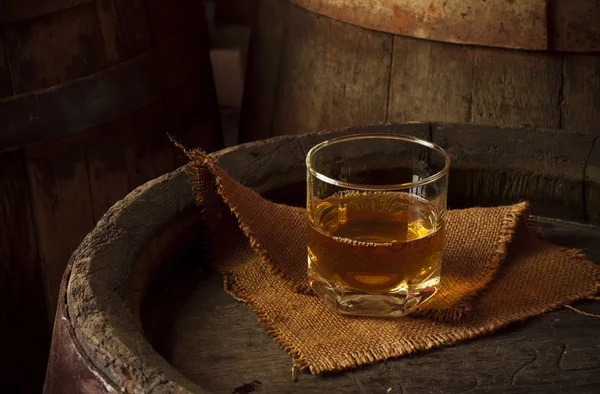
496, 270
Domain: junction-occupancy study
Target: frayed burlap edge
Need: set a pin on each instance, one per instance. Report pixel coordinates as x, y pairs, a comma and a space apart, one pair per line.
510, 223
199, 161
354, 360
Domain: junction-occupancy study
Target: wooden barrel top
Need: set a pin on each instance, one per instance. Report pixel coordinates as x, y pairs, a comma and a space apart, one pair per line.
139, 312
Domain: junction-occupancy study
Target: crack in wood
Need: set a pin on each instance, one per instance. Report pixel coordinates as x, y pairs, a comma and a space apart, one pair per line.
561, 360
583, 181
520, 369
358, 384
561, 96
390, 84
8, 62
561, 356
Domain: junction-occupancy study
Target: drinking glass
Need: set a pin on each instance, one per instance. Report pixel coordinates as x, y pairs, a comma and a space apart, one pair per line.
376, 205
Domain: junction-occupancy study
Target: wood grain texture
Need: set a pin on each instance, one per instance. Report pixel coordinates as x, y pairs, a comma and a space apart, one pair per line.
150, 156
69, 370
197, 95
12, 11
581, 93
592, 185
534, 25
328, 73
125, 29
516, 87
5, 80
574, 25
545, 167
22, 300
501, 24
331, 75
62, 206
262, 70
73, 40
107, 168
114, 172
430, 81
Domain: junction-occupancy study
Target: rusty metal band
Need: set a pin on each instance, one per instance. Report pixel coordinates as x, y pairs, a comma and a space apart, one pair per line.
82, 103
12, 11
561, 25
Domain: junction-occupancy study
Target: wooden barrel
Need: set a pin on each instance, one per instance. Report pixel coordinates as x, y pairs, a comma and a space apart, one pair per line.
139, 311
88, 91
317, 64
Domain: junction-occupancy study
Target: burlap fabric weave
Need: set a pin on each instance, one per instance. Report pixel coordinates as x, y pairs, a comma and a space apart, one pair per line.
496, 270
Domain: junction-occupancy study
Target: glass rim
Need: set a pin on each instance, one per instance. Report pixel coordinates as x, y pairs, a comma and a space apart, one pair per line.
368, 187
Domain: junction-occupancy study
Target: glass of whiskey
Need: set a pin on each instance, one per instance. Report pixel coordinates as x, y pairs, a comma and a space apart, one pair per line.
376, 205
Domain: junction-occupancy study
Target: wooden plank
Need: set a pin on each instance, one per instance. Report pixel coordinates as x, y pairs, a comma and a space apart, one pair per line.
262, 70
24, 332
574, 25
496, 165
332, 75
194, 117
592, 185
218, 343
5, 78
117, 155
581, 93
108, 146
516, 87
149, 152
62, 205
125, 29
110, 26
105, 153
421, 130
56, 48
192, 107
430, 81
94, 99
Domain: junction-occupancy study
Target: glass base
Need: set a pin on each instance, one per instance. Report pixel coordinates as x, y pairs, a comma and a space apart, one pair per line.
390, 304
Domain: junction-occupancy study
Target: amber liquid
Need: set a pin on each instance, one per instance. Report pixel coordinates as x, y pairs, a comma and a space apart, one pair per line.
375, 242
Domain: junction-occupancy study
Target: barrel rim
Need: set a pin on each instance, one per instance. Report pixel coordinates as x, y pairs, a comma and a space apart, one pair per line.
98, 309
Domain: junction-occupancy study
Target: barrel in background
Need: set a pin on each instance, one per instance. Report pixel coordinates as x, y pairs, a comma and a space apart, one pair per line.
334, 63
88, 92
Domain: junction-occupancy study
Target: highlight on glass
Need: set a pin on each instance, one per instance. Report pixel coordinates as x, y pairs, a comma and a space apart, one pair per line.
376, 205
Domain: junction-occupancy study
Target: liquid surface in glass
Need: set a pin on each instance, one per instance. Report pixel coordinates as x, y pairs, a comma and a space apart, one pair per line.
375, 242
